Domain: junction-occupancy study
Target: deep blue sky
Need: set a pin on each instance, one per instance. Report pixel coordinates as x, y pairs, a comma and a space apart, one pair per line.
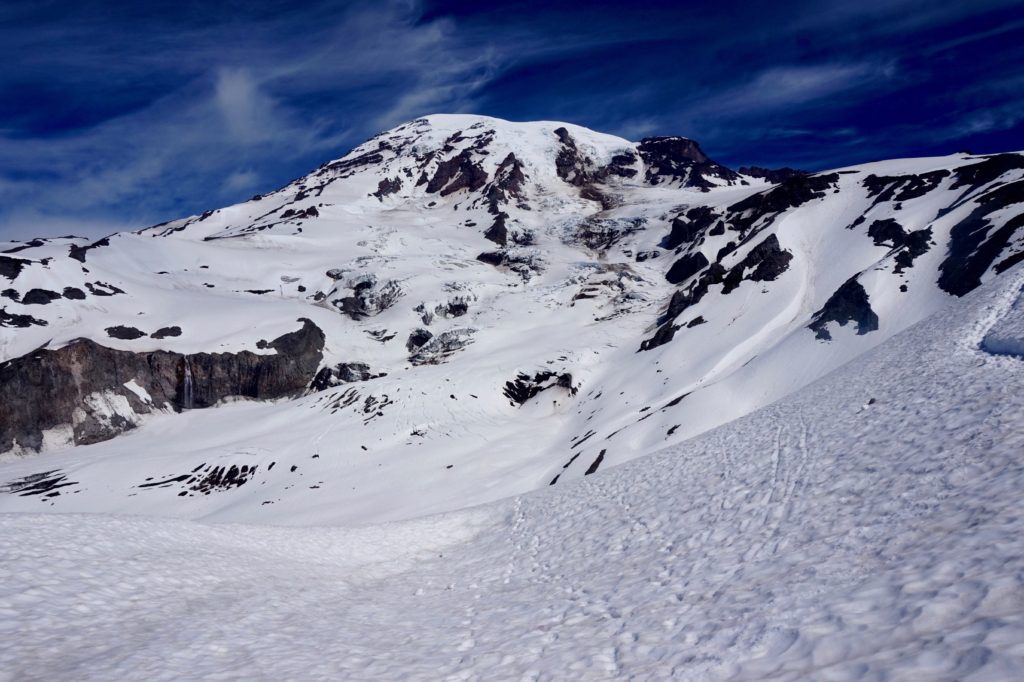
116, 115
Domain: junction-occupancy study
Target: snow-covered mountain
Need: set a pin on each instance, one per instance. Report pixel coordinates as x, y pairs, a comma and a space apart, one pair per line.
812, 383
463, 309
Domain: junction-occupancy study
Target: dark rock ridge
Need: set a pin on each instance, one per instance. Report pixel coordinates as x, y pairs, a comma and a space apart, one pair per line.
686, 267
459, 172
681, 161
849, 303
902, 187
81, 388
974, 244
772, 175
765, 262
78, 252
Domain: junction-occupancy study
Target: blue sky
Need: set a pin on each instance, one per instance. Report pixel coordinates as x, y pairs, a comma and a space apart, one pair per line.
119, 115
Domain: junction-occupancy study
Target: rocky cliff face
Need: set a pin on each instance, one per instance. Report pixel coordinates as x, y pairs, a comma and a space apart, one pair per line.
85, 392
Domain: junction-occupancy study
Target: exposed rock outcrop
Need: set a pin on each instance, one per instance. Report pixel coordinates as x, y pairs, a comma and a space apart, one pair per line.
85, 392
849, 303
681, 161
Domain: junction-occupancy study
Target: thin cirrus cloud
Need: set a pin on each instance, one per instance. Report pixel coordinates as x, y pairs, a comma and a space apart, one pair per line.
122, 115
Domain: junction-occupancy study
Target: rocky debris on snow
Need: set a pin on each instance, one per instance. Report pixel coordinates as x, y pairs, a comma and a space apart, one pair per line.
849, 303
600, 234
525, 386
19, 320
102, 289
342, 373
525, 263
388, 186
417, 337
369, 297
206, 479
44, 485
439, 348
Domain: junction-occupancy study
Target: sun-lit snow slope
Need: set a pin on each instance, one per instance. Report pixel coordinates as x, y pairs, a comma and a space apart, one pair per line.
867, 527
489, 287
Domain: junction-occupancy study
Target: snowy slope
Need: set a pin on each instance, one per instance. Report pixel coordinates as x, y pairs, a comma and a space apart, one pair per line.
535, 255
865, 527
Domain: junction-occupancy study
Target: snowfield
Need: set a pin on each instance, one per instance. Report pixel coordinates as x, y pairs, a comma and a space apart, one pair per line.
867, 527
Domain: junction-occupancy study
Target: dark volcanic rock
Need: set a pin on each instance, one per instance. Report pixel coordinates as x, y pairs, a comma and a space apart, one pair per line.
12, 267
772, 175
848, 304
368, 298
973, 243
459, 172
124, 333
47, 389
78, 252
524, 387
498, 232
686, 267
417, 338
439, 348
886, 232
388, 186
795, 191
978, 174
902, 187
164, 332
74, 293
680, 160
768, 260
688, 226
508, 183
102, 289
342, 373
39, 297
22, 321
571, 164
765, 262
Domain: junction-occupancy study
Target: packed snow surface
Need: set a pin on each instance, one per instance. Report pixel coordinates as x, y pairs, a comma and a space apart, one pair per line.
866, 527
